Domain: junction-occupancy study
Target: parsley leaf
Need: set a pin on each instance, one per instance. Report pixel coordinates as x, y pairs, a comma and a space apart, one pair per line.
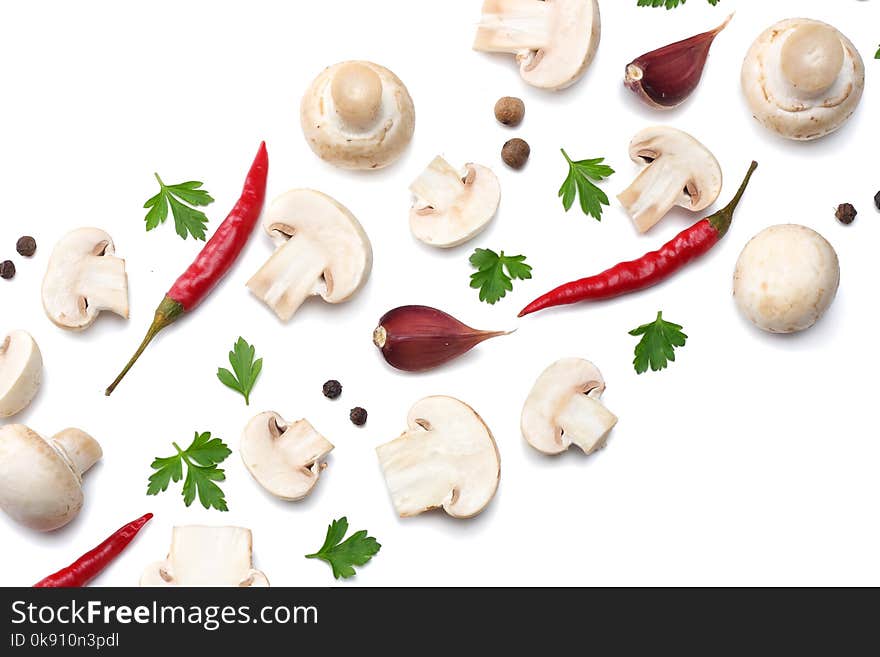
657, 346
491, 279
246, 369
201, 459
669, 4
187, 220
356, 550
578, 182
877, 56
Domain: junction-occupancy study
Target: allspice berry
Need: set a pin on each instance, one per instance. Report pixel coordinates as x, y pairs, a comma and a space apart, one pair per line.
510, 111
26, 246
846, 213
7, 269
515, 153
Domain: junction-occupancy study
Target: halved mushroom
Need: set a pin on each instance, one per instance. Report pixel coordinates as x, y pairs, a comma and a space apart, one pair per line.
285, 458
564, 409
322, 250
803, 79
679, 171
554, 40
41, 480
21, 368
207, 556
452, 207
447, 458
358, 115
83, 278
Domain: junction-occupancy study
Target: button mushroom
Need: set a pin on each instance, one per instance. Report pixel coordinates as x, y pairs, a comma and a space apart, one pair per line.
285, 458
679, 171
803, 79
207, 556
358, 115
554, 40
564, 409
83, 278
452, 207
446, 459
41, 480
21, 368
322, 250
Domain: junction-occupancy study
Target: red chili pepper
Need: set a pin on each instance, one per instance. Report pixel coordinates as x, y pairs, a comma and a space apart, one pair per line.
651, 268
213, 261
86, 568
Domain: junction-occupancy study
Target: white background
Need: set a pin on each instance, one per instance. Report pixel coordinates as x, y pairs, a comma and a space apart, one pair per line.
752, 460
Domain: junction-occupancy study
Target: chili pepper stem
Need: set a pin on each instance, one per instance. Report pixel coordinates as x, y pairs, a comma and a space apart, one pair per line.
722, 219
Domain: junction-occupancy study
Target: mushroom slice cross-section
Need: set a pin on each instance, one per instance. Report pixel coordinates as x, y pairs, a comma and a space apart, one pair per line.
554, 40
679, 171
21, 368
322, 250
452, 207
207, 556
564, 409
447, 458
83, 278
285, 458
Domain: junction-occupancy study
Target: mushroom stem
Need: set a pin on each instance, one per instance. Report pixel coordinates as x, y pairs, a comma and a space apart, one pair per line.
586, 422
519, 27
79, 448
104, 284
654, 192
439, 185
721, 220
290, 276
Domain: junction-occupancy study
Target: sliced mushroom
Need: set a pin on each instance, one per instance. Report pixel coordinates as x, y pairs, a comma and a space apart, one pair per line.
41, 480
21, 368
803, 79
452, 207
358, 115
207, 556
285, 458
321, 251
679, 171
446, 459
554, 40
564, 409
83, 278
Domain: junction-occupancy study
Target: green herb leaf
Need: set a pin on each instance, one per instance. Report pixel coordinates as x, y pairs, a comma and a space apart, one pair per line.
246, 369
201, 459
669, 4
877, 56
356, 550
187, 220
491, 279
658, 343
578, 182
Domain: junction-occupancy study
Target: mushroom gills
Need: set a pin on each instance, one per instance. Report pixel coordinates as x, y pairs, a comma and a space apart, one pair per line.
295, 272
585, 422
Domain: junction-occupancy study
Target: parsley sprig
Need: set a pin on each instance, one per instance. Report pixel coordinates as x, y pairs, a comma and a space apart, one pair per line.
356, 550
201, 459
246, 369
669, 4
658, 343
183, 198
579, 183
491, 279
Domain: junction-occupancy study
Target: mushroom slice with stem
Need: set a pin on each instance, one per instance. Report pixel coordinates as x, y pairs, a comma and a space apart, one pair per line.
41, 480
358, 115
21, 368
564, 409
803, 79
679, 171
447, 458
554, 40
207, 556
285, 458
322, 250
452, 207
83, 278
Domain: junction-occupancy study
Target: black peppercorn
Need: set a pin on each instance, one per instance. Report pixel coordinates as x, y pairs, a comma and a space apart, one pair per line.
358, 416
846, 213
332, 389
877, 200
26, 246
515, 153
7, 269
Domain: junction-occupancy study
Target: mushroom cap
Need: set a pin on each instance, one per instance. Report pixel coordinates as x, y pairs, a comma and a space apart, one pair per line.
362, 119
803, 78
786, 278
447, 458
452, 207
21, 369
285, 458
322, 250
563, 408
206, 556
83, 278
